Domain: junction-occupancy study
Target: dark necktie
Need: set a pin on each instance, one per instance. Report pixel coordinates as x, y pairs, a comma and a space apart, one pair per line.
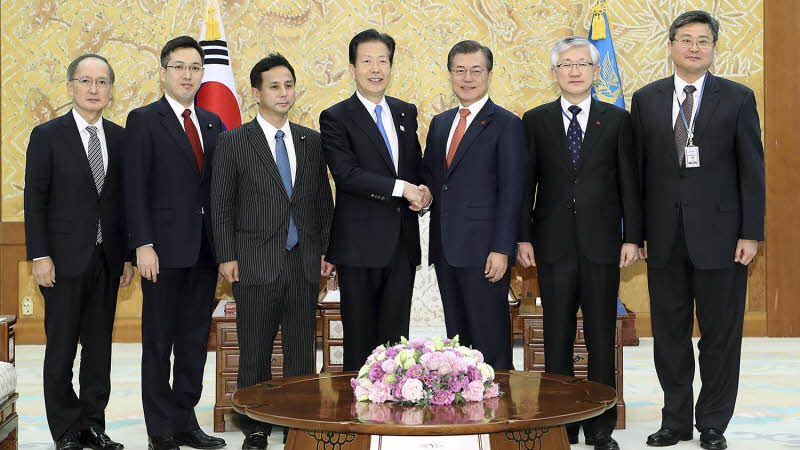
574, 136
95, 156
680, 131
458, 134
194, 138
285, 169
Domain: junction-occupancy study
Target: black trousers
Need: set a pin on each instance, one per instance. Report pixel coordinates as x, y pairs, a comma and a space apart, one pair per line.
176, 319
289, 303
81, 309
718, 296
376, 306
476, 310
571, 282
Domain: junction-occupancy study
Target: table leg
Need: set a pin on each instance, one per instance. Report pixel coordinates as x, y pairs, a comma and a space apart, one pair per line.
219, 418
326, 440
532, 439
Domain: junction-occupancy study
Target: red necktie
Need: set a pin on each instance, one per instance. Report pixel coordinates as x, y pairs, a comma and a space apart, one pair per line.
194, 138
457, 135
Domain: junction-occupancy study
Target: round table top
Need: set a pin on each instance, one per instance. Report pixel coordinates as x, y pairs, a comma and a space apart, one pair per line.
325, 402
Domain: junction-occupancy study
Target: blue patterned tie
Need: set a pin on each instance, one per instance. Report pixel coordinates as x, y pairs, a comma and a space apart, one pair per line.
574, 135
378, 110
285, 169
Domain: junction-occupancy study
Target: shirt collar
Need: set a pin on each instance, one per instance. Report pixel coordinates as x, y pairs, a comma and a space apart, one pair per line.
270, 130
82, 123
584, 105
476, 107
178, 108
680, 83
370, 105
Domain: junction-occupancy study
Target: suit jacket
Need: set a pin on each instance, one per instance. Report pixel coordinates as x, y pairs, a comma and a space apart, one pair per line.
722, 200
250, 208
166, 197
600, 196
477, 200
62, 205
368, 222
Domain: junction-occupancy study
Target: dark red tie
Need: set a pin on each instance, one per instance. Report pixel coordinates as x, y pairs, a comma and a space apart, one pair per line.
194, 138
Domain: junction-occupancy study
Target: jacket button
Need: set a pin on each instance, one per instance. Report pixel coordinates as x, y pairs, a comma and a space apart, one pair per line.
444, 188
398, 209
682, 176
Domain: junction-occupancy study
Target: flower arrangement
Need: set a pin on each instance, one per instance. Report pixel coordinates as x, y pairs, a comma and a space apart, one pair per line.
424, 372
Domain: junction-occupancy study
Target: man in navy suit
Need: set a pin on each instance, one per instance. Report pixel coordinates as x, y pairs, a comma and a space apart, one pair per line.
170, 147
75, 226
474, 165
370, 144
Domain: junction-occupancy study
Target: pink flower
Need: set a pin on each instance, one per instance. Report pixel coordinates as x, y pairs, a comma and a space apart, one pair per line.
473, 392
391, 352
379, 393
434, 362
412, 390
477, 355
492, 392
416, 343
375, 372
459, 365
474, 373
443, 397
414, 371
445, 368
388, 365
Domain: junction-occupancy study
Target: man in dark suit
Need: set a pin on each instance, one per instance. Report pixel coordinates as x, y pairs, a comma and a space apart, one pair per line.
586, 223
699, 144
371, 146
170, 146
74, 222
475, 168
271, 208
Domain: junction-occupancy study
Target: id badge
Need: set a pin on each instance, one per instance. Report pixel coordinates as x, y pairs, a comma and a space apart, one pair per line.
692, 154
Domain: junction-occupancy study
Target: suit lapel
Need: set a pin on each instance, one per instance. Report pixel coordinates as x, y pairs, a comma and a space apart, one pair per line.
440, 140
206, 132
476, 127
593, 130
708, 104
113, 146
665, 121
555, 119
259, 142
75, 145
301, 155
399, 119
363, 120
175, 130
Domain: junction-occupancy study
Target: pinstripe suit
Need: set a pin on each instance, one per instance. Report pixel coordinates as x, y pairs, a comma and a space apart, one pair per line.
250, 213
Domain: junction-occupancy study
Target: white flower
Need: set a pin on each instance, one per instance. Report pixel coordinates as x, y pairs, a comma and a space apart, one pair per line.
487, 373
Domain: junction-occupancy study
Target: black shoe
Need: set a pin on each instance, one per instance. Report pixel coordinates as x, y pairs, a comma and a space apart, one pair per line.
97, 439
602, 441
198, 439
165, 442
573, 439
70, 440
712, 439
255, 441
667, 436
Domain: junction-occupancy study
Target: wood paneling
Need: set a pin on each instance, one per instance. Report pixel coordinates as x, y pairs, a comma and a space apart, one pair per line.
782, 141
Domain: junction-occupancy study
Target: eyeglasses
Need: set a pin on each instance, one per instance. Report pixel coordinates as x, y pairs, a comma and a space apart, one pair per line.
87, 82
702, 44
184, 67
581, 66
461, 73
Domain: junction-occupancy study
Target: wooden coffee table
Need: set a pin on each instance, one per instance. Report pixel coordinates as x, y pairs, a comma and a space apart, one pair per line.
322, 413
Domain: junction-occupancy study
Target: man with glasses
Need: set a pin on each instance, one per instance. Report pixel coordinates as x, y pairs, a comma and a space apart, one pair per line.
699, 146
170, 147
75, 228
582, 219
474, 165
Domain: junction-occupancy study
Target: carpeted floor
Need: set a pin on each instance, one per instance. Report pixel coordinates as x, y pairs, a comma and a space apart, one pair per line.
767, 413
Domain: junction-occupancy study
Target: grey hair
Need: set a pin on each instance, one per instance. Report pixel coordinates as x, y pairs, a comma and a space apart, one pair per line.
73, 66
696, 16
573, 41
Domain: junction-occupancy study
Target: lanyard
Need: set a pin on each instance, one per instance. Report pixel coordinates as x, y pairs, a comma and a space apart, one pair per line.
570, 119
690, 131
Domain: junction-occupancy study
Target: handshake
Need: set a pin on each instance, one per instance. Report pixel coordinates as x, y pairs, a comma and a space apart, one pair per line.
418, 196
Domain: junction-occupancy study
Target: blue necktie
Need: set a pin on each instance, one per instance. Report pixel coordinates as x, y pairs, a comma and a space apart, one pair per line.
574, 135
378, 110
285, 169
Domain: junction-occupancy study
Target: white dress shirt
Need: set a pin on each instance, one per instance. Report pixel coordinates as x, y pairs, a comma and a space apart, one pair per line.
474, 109
583, 116
676, 101
391, 133
269, 132
178, 109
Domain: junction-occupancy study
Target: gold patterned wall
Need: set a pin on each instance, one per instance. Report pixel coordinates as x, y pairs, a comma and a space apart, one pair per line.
41, 37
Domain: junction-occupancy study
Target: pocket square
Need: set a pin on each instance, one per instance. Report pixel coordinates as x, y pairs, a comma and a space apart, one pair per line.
402, 128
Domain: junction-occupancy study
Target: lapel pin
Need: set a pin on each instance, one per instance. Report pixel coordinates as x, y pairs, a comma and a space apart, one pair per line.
302, 138
597, 123
402, 128
210, 126
402, 114
483, 123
